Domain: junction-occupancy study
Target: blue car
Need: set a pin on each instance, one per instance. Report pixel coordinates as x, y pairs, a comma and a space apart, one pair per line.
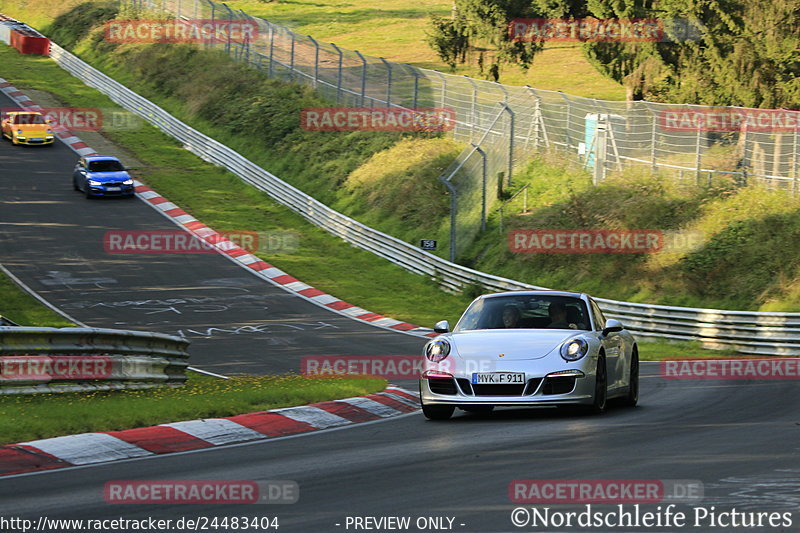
101, 175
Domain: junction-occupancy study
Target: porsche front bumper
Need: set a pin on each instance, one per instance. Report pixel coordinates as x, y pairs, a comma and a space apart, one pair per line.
565, 386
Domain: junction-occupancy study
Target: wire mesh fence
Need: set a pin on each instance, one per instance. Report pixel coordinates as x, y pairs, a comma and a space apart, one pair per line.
503, 125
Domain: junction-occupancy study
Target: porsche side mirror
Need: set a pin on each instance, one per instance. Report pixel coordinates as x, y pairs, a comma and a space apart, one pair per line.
612, 326
442, 327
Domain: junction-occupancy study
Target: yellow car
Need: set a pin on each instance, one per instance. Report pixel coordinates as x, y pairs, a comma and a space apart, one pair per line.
27, 127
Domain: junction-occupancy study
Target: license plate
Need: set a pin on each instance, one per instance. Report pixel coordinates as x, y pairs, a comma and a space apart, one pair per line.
113, 188
37, 140
498, 378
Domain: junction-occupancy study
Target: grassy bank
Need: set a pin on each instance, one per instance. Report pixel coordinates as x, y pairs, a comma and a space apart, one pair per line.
725, 246
23, 309
30, 417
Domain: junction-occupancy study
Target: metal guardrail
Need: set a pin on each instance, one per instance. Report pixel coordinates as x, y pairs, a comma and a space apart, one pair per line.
37, 360
746, 332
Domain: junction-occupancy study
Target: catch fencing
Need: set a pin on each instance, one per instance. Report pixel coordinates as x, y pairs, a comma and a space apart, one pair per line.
745, 331
684, 142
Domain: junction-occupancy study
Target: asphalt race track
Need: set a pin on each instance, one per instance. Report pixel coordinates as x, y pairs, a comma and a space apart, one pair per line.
51, 237
740, 439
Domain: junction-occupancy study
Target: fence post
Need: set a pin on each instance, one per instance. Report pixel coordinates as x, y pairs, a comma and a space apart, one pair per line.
212, 40
363, 77
473, 111
388, 82
316, 60
566, 127
653, 149
510, 141
599, 173
271, 47
246, 44
483, 176
453, 208
178, 9
444, 86
230, 21
291, 57
338, 74
793, 170
416, 88
697, 155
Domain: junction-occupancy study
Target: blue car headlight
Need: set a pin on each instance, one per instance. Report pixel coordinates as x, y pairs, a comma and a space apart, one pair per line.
574, 349
437, 350
128, 182
94, 183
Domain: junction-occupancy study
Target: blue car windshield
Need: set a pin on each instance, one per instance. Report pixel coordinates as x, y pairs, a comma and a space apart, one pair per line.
105, 166
526, 312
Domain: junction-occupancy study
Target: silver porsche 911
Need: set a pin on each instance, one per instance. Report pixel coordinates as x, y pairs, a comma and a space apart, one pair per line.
529, 348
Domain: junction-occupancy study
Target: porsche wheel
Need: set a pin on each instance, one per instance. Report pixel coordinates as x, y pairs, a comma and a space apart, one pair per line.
600, 387
633, 385
438, 412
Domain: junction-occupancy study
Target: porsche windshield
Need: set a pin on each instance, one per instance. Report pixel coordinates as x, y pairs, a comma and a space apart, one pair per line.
526, 312
27, 119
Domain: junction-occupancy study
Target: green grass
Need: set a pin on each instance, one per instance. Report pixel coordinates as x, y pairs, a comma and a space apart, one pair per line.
21, 308
30, 417
662, 350
396, 29
393, 29
744, 257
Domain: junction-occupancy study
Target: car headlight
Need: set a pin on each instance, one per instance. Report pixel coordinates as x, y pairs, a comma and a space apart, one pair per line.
574, 349
127, 182
437, 350
94, 183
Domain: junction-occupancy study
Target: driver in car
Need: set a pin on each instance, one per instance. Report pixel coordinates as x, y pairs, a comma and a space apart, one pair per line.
558, 316
511, 316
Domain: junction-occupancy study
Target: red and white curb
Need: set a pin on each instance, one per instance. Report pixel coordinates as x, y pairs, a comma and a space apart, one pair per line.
93, 448
227, 248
